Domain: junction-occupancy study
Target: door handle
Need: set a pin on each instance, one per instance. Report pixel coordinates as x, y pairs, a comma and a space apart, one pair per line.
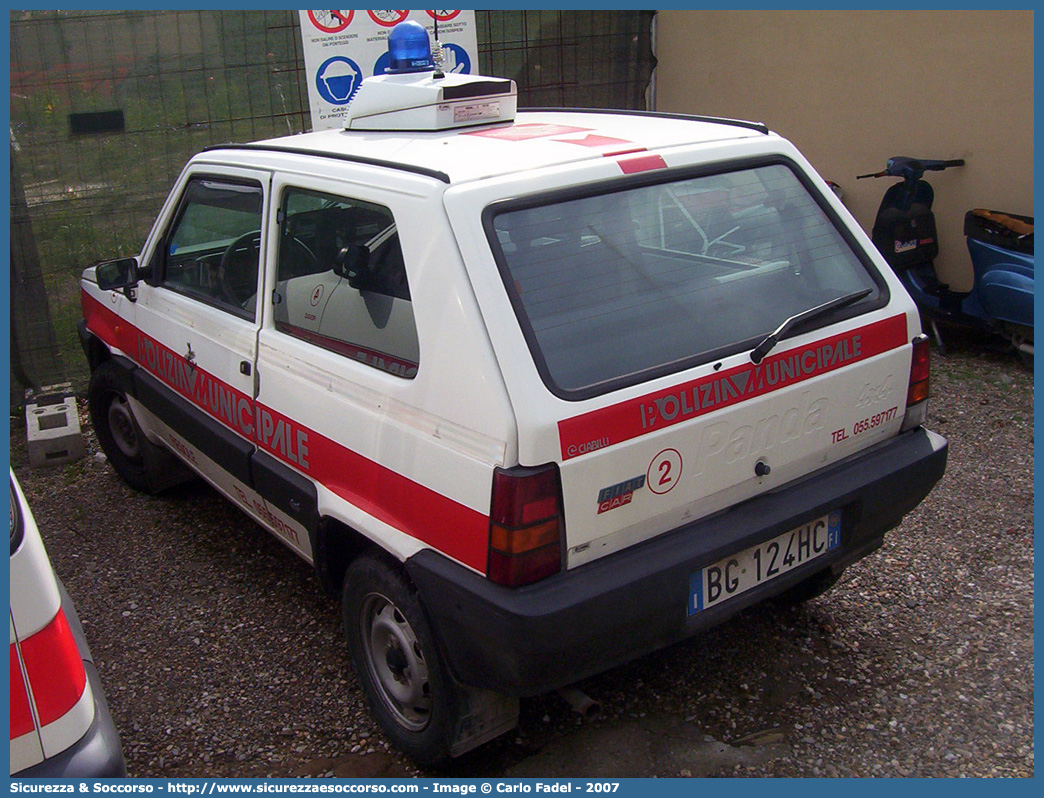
244, 368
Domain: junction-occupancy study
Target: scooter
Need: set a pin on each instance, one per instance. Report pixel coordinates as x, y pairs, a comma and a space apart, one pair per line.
1001, 248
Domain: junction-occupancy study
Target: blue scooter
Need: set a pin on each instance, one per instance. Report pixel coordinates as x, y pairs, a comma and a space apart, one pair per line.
1001, 248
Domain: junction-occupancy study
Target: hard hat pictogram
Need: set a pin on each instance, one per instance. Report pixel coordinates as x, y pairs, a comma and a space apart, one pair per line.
337, 79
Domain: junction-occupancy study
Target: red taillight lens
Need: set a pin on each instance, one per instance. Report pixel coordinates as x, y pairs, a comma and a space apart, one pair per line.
55, 669
919, 369
21, 714
525, 525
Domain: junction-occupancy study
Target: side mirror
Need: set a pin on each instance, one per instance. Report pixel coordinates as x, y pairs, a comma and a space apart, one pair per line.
113, 275
353, 264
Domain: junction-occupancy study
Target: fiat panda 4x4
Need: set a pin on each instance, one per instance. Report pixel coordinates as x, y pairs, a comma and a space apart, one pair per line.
536, 393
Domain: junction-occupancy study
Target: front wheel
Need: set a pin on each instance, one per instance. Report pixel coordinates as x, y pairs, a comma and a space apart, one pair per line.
396, 661
118, 433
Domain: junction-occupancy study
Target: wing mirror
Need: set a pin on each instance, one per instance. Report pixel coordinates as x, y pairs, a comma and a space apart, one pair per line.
119, 275
115, 275
353, 264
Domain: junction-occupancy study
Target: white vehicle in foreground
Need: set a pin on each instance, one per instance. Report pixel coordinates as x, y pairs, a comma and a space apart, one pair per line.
536, 393
60, 722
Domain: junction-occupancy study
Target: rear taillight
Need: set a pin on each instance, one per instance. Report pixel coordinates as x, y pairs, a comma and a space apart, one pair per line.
525, 525
21, 713
917, 393
55, 668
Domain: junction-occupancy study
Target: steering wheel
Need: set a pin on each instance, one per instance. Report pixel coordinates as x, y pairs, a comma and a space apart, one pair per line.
246, 262
237, 271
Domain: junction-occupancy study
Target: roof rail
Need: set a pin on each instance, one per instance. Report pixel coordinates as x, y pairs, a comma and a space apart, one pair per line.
402, 167
760, 127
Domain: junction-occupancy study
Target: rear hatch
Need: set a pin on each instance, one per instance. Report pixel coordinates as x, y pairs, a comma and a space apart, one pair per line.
625, 308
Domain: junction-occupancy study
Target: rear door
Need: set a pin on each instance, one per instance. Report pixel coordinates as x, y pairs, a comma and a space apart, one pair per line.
625, 313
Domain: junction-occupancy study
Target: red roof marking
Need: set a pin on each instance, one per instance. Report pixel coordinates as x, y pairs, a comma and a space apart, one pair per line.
435, 519
634, 418
596, 140
526, 131
645, 163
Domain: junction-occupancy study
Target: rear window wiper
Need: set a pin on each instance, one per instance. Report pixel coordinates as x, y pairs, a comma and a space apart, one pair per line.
773, 338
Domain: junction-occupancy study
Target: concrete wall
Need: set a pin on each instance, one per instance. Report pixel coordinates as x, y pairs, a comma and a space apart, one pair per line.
851, 88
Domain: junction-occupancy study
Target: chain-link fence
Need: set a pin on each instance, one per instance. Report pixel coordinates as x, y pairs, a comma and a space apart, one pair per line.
107, 106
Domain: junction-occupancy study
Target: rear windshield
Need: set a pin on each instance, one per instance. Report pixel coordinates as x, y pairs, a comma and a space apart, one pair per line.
614, 288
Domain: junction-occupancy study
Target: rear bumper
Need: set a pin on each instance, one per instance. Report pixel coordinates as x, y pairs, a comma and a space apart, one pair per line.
530, 640
98, 754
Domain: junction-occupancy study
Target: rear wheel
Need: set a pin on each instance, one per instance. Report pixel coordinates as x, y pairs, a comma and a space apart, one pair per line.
118, 433
395, 658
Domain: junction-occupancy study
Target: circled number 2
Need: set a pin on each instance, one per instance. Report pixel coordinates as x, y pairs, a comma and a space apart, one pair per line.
664, 471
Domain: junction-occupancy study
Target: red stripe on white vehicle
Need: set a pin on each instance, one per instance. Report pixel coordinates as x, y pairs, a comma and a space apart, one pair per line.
647, 414
526, 131
55, 668
439, 521
428, 516
645, 163
21, 712
593, 140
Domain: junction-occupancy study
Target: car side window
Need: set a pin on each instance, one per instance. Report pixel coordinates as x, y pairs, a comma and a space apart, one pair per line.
341, 280
212, 250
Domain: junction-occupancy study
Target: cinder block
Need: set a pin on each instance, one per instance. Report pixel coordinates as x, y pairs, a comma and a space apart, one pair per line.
53, 432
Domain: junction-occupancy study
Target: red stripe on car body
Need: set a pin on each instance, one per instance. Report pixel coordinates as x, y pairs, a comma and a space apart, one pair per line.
422, 513
644, 415
644, 163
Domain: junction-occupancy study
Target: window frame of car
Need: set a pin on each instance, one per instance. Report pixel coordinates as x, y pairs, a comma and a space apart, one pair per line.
398, 365
157, 269
580, 192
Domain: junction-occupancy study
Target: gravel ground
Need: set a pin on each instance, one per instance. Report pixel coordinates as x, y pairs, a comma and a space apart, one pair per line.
222, 657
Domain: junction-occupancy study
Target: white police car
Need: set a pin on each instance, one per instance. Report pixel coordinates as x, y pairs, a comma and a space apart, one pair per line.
536, 393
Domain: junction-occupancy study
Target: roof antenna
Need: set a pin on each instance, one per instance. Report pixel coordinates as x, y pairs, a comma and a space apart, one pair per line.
437, 49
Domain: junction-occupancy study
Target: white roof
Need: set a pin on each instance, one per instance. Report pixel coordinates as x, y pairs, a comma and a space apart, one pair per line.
533, 140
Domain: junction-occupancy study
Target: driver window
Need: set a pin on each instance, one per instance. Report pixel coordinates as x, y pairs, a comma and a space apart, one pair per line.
212, 251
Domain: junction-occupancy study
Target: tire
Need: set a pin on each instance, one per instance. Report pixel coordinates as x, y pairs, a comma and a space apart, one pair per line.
118, 433
397, 663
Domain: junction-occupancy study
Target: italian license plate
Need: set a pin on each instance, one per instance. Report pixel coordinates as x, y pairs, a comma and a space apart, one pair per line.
751, 567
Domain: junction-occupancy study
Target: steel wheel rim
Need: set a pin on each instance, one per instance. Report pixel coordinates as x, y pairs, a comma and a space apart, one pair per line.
124, 433
395, 662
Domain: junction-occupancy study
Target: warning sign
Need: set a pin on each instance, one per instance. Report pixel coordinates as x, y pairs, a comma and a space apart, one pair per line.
388, 19
341, 48
331, 21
